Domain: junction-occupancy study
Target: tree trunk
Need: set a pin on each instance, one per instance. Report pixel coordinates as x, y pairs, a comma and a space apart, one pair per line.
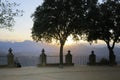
112, 57
62, 42
61, 54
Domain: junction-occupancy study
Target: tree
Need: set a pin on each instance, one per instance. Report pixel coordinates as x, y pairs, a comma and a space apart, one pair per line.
56, 19
103, 22
7, 13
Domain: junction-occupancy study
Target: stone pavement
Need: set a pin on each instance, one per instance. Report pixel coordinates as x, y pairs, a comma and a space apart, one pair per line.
67, 73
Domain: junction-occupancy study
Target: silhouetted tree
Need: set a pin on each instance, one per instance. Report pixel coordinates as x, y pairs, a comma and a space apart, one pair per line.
104, 24
7, 13
57, 19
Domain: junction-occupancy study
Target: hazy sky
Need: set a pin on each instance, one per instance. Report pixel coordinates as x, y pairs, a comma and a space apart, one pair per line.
22, 28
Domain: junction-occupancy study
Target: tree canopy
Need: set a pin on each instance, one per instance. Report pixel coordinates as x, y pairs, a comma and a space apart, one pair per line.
104, 24
54, 19
57, 19
7, 13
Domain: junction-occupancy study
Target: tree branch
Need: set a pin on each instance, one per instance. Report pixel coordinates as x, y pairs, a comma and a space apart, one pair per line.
113, 45
108, 44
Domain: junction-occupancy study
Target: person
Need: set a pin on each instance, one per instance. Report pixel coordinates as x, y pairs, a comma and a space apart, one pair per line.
17, 63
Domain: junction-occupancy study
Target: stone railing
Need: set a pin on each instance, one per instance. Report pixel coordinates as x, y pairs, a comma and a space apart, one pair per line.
9, 60
43, 60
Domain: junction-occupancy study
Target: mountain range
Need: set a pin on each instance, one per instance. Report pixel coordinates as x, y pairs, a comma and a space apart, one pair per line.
28, 51
31, 48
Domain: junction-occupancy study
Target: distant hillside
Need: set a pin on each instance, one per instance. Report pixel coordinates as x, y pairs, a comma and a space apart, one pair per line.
32, 48
85, 49
28, 52
27, 48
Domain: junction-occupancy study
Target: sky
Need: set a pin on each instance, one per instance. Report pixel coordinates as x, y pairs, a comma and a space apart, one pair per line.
23, 25
22, 28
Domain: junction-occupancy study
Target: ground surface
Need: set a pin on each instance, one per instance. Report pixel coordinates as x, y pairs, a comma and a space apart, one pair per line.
67, 73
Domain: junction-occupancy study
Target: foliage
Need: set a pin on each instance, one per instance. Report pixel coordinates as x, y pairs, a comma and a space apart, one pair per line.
103, 22
57, 19
7, 13
104, 61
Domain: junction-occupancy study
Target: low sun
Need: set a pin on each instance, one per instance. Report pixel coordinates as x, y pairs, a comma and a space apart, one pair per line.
69, 41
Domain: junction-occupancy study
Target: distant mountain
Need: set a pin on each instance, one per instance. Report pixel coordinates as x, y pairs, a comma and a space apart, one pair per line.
27, 48
28, 52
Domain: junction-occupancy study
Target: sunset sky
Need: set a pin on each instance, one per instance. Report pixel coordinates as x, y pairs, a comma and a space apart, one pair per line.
22, 28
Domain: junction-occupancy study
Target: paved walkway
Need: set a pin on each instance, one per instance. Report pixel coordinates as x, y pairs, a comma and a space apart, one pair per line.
67, 73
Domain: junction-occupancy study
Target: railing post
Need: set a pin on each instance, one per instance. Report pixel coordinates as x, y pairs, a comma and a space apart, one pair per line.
68, 58
92, 58
43, 58
10, 57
